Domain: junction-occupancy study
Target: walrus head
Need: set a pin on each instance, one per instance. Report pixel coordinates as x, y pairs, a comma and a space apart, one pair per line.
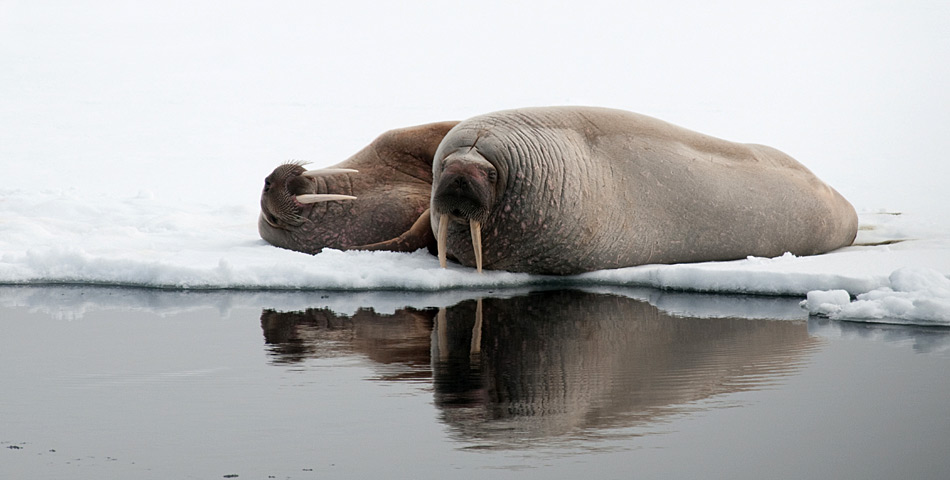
308, 211
465, 194
288, 202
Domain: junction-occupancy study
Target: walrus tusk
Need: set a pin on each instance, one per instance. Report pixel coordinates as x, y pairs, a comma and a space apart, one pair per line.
325, 197
443, 238
323, 172
476, 228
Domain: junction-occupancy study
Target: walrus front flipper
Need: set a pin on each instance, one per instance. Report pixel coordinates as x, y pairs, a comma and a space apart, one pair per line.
418, 236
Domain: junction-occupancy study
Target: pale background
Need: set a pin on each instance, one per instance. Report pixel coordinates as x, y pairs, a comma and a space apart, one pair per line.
198, 101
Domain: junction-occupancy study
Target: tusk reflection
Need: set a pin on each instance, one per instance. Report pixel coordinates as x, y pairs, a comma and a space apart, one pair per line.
442, 339
477, 329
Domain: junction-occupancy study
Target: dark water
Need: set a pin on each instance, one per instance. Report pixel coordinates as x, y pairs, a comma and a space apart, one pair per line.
111, 383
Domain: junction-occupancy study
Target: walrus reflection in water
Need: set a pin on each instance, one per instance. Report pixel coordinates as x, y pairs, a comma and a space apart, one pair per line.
552, 362
400, 340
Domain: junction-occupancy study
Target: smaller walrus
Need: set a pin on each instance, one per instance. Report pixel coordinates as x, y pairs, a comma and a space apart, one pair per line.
378, 199
565, 190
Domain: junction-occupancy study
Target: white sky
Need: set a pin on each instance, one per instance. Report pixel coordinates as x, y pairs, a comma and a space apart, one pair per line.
117, 97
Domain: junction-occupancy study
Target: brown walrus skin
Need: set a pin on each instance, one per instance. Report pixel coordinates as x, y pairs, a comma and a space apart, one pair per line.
558, 190
565, 190
378, 199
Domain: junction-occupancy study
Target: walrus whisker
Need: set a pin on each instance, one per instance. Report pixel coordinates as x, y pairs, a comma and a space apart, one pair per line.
324, 172
325, 197
443, 238
476, 228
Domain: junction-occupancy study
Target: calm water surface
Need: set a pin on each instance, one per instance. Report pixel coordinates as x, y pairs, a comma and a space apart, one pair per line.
118, 383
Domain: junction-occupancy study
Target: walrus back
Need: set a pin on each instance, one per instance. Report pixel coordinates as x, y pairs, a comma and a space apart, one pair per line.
594, 188
700, 198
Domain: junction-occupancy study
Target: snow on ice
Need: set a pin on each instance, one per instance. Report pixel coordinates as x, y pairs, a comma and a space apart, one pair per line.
897, 269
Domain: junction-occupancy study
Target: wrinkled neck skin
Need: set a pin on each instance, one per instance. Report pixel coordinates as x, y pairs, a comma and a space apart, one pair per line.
534, 214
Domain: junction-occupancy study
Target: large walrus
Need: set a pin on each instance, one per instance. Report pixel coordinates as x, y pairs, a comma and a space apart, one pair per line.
564, 190
378, 199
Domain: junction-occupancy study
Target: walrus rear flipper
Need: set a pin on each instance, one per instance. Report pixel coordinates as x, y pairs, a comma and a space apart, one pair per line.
418, 236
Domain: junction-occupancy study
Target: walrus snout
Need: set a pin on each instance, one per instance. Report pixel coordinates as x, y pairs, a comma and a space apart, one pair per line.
287, 191
466, 190
278, 208
290, 187
465, 194
462, 199
460, 202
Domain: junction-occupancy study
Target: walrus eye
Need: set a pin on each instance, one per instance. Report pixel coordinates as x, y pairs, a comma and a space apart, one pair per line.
492, 176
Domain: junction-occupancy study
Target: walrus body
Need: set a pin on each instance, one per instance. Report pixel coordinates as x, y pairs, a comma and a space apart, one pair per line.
375, 200
564, 190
